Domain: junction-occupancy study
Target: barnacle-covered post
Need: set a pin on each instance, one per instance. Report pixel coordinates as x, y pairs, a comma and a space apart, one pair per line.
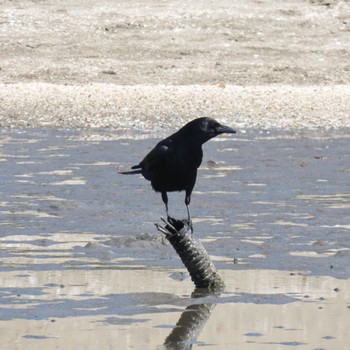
192, 253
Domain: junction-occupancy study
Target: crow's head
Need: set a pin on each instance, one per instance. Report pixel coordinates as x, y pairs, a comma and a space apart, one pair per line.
204, 129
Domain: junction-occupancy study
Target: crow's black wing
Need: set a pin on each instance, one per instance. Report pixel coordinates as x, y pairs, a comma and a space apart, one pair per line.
156, 156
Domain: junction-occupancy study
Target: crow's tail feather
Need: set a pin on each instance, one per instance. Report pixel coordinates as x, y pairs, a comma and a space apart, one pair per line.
138, 171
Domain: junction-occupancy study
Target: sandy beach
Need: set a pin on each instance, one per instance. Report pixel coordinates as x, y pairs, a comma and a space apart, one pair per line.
106, 64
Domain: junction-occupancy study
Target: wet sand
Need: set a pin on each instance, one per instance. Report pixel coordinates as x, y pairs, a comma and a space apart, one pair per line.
262, 309
83, 266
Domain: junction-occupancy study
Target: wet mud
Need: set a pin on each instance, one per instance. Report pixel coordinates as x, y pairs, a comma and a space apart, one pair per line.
82, 265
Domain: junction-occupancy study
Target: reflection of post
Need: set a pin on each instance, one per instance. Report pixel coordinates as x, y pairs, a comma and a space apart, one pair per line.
193, 254
188, 327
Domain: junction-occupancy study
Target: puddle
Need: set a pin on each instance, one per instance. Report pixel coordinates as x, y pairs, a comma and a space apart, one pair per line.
123, 308
82, 266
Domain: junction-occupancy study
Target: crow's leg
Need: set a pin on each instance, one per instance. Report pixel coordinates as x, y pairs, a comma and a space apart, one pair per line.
165, 200
187, 202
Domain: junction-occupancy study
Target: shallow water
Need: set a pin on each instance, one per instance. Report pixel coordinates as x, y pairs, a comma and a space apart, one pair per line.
83, 266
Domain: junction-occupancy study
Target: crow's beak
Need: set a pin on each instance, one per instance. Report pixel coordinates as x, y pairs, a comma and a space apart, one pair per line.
223, 129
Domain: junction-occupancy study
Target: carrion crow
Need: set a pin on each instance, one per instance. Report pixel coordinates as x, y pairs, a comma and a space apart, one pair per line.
172, 164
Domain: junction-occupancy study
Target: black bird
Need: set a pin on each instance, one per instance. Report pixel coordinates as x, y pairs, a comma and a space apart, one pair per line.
172, 164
